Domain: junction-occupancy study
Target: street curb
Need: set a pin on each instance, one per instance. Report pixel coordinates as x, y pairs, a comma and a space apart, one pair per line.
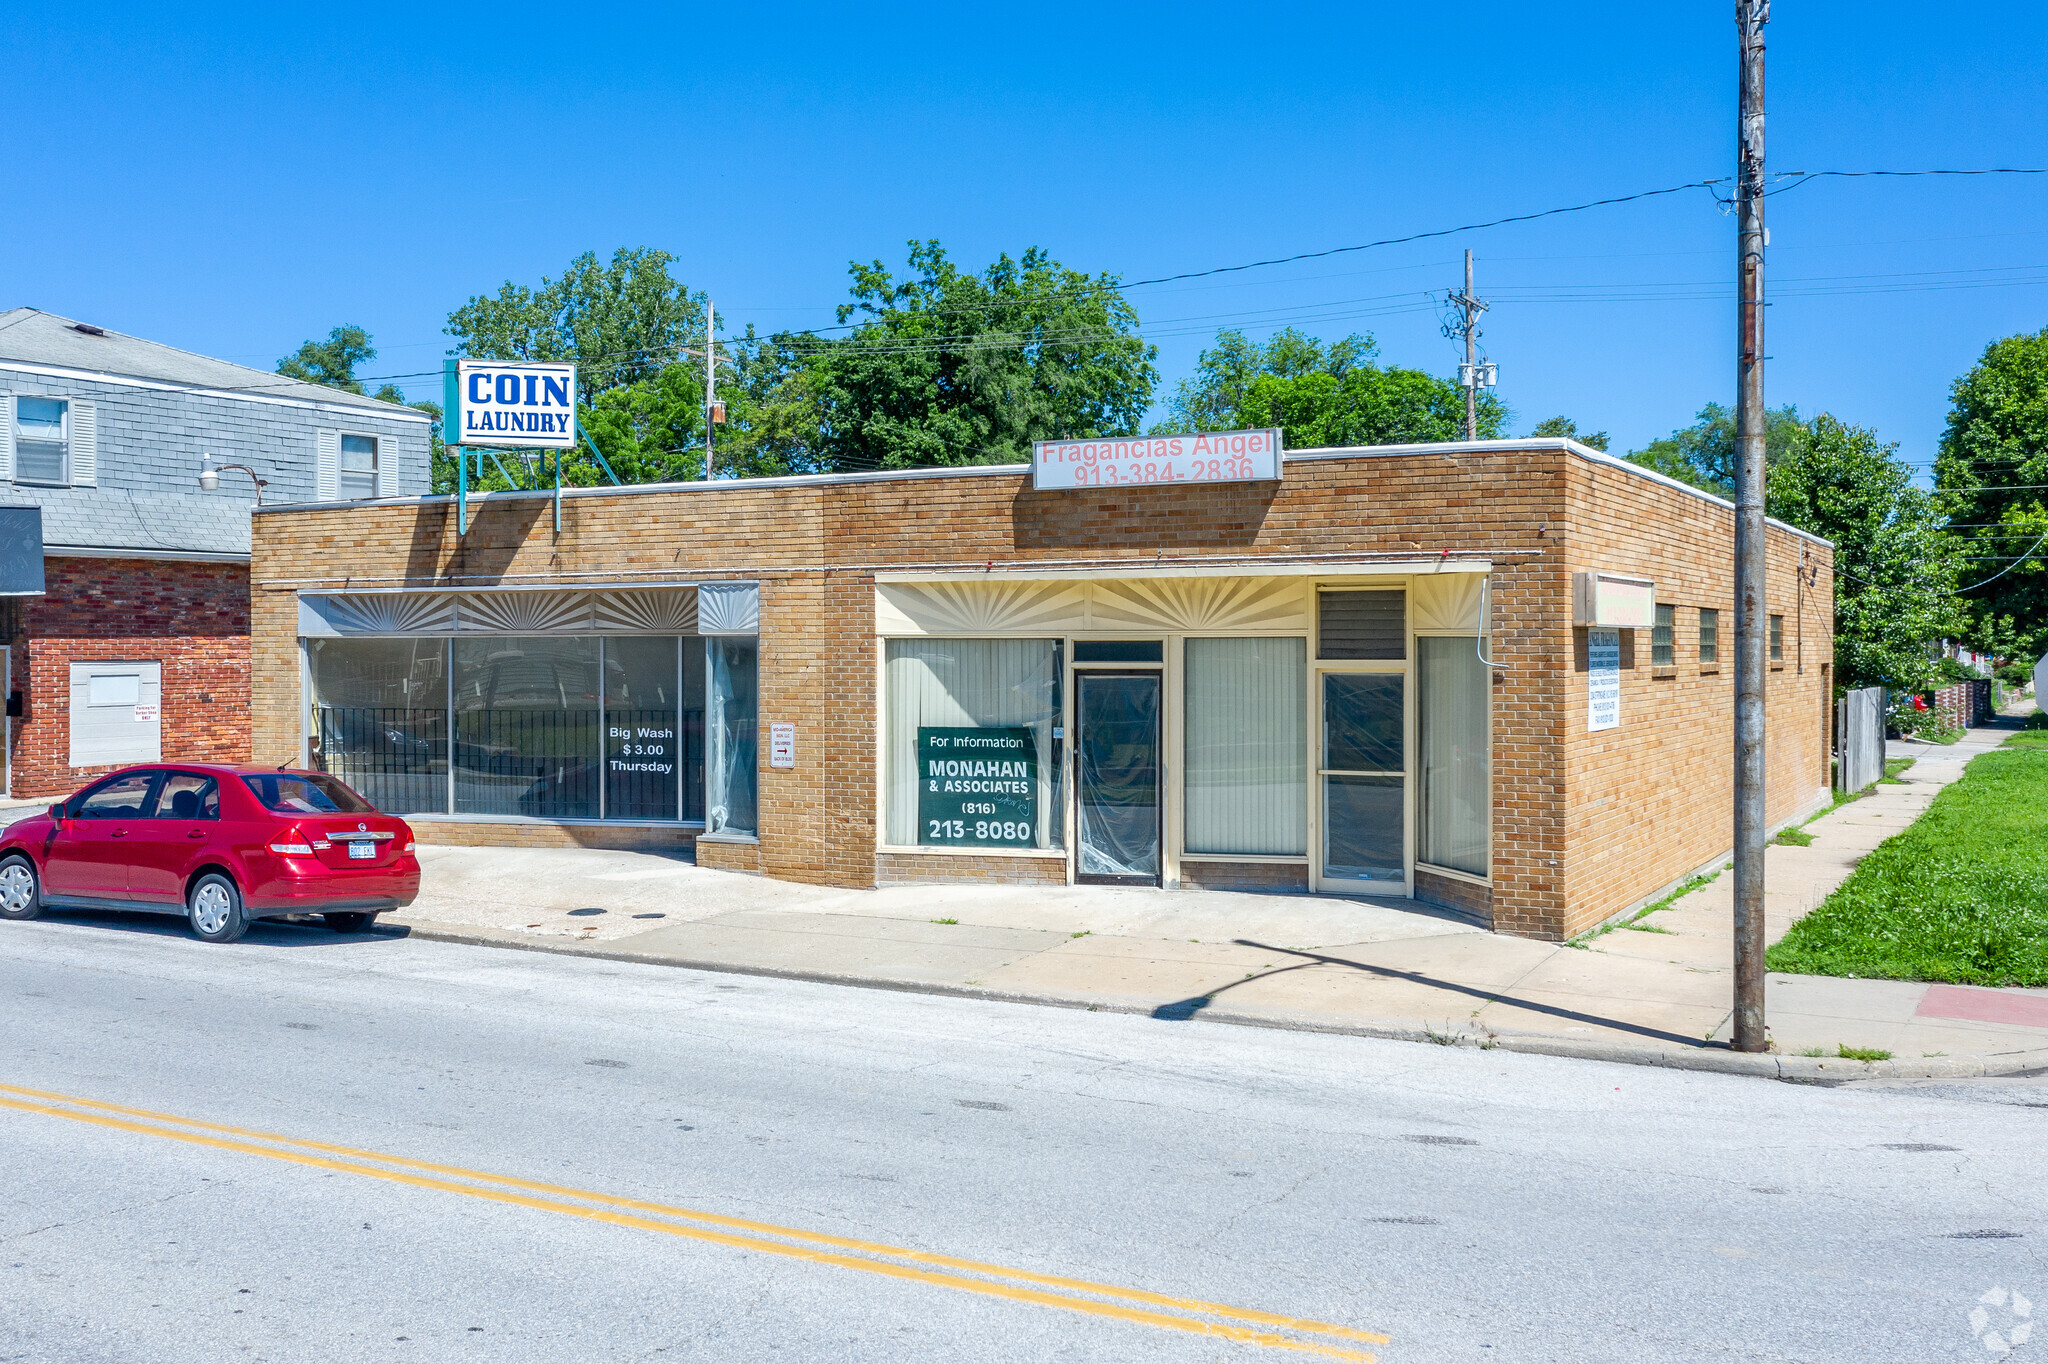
1824, 1071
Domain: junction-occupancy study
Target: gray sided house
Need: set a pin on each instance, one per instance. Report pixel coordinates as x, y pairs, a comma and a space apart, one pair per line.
134, 646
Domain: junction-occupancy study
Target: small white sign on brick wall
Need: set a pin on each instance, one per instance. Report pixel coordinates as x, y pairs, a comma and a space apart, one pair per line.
1603, 679
782, 745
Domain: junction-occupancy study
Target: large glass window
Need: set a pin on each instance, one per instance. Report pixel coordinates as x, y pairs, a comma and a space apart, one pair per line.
380, 719
970, 752
1456, 796
527, 738
731, 743
653, 731
1247, 764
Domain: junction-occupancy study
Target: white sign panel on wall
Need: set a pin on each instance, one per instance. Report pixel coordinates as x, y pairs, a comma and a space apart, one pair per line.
1603, 679
515, 403
782, 745
1141, 461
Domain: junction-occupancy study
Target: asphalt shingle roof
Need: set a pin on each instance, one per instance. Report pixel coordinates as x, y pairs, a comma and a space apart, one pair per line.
116, 519
35, 337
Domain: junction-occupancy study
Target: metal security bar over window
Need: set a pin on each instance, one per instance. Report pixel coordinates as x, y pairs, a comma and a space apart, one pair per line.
395, 755
1661, 637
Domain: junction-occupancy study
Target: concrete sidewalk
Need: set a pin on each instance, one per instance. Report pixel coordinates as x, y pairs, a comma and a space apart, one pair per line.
1655, 992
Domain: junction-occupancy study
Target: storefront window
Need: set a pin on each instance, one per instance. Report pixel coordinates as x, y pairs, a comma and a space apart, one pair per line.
730, 726
1456, 793
971, 760
1247, 766
527, 731
653, 730
380, 719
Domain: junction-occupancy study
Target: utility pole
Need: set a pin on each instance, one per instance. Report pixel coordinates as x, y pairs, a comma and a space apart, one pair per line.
710, 383
1472, 375
1750, 605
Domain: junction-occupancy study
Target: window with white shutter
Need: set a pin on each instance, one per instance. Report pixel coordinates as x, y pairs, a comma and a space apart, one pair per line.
358, 475
85, 444
39, 430
387, 467
327, 466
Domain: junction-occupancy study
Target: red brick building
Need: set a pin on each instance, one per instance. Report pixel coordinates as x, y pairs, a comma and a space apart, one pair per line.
1392, 671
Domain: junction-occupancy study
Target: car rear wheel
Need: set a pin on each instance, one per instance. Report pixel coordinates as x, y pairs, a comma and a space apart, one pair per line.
214, 906
350, 922
20, 896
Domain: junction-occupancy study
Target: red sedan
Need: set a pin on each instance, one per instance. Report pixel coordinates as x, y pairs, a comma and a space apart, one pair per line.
221, 845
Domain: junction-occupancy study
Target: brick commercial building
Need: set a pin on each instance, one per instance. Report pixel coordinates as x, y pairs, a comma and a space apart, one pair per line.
125, 636
1364, 677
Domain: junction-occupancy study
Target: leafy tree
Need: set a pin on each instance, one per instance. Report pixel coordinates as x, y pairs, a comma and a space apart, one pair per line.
333, 362
950, 367
1320, 394
1569, 429
622, 322
1995, 447
1895, 569
1703, 454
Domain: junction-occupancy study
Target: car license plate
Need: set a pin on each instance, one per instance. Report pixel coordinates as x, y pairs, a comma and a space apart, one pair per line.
366, 852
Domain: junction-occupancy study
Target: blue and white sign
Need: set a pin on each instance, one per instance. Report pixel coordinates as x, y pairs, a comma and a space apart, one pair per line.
524, 404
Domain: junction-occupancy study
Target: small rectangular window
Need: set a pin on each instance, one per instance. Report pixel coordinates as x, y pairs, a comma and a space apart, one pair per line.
1362, 624
1118, 651
40, 444
358, 475
1710, 635
1660, 637
1777, 639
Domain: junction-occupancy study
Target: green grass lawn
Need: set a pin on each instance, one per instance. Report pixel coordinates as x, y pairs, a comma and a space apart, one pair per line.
1960, 896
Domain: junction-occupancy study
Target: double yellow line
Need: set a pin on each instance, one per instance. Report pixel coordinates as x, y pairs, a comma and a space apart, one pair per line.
944, 1271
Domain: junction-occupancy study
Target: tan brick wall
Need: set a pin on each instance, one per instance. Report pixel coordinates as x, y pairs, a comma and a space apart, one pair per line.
1453, 893
464, 833
1652, 799
721, 855
1205, 875
1589, 820
900, 869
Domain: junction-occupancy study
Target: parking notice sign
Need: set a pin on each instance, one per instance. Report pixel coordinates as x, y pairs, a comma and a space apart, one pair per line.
977, 788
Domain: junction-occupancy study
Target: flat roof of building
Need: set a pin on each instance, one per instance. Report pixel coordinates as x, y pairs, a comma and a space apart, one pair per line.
1586, 452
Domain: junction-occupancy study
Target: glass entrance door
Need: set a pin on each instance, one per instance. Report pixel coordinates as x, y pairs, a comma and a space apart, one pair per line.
1363, 778
1116, 782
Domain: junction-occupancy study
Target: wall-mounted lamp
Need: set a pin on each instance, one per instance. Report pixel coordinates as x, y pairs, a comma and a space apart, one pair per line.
210, 472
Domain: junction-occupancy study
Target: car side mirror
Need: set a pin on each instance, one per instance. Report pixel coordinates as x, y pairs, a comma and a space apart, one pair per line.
57, 812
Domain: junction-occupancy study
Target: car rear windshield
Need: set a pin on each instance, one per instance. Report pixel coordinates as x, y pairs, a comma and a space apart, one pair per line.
306, 793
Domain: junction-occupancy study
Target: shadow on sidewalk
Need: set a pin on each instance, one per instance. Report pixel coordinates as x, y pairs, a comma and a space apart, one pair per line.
1180, 1011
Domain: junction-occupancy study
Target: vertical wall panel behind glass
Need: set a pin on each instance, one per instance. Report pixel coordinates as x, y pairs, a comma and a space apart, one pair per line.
380, 719
730, 720
1246, 771
692, 652
642, 727
1457, 794
528, 737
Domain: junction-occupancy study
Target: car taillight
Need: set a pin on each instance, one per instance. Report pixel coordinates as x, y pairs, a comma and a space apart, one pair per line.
293, 844
408, 845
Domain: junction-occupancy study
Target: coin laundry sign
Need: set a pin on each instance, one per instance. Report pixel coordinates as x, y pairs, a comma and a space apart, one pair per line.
510, 403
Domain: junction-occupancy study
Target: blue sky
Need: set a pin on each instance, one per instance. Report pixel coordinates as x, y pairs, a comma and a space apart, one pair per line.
236, 180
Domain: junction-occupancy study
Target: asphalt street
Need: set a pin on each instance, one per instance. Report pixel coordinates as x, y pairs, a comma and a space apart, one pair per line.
304, 1147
